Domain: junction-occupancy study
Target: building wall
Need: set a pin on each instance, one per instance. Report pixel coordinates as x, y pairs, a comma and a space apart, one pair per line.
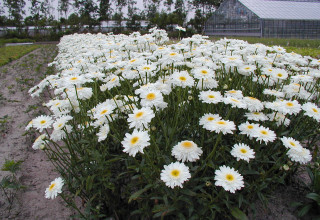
304, 29
232, 18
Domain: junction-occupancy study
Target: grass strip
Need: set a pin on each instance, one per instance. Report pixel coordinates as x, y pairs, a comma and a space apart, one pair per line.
8, 54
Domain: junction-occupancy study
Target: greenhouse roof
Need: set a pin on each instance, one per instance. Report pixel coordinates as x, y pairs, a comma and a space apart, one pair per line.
291, 10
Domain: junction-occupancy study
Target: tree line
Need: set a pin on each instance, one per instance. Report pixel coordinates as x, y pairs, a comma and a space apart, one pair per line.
161, 13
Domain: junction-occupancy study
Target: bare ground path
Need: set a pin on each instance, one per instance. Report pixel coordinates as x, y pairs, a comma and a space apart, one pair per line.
17, 108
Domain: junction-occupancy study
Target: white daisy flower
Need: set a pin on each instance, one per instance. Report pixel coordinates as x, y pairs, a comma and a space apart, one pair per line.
291, 143
264, 134
256, 116
303, 156
224, 126
182, 79
290, 107
203, 73
54, 188
135, 142
103, 132
234, 93
140, 118
186, 151
253, 104
248, 128
175, 174
209, 83
229, 179
312, 110
273, 92
42, 122
243, 152
235, 102
150, 98
210, 97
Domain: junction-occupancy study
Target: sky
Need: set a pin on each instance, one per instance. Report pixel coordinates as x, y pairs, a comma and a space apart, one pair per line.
55, 13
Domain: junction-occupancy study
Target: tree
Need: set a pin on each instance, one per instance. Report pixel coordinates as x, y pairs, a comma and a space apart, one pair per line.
88, 11
63, 7
134, 17
104, 10
206, 8
15, 8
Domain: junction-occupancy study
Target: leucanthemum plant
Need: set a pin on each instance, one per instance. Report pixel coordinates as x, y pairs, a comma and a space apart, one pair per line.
139, 129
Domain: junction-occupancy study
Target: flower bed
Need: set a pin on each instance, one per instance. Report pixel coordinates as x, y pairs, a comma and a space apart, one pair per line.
143, 129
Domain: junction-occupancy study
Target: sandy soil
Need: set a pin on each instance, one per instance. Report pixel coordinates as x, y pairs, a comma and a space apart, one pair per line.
37, 172
19, 108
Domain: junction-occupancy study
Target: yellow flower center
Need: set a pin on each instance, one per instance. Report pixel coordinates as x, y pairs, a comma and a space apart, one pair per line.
134, 140
250, 127
221, 122
290, 104
139, 114
113, 79
60, 125
151, 96
211, 96
132, 61
232, 58
74, 78
173, 54
292, 144
182, 78
264, 132
187, 144
242, 150
232, 91
175, 173
210, 118
103, 112
204, 72
229, 177
43, 122
247, 68
280, 74
315, 110
256, 113
235, 100
146, 68
52, 186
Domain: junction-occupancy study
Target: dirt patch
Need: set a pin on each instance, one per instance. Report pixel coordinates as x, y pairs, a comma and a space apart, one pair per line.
17, 108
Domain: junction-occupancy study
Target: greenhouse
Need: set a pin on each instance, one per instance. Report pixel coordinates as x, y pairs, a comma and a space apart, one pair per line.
266, 18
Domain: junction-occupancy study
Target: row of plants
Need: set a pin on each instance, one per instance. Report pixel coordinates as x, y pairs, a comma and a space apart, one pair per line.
10, 53
139, 129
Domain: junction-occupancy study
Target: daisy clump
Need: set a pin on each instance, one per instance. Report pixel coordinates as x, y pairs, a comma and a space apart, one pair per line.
140, 128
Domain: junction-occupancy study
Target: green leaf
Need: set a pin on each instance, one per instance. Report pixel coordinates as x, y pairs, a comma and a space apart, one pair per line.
188, 192
303, 211
135, 195
238, 214
314, 196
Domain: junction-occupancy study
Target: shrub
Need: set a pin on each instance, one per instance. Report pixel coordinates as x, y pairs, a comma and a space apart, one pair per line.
192, 130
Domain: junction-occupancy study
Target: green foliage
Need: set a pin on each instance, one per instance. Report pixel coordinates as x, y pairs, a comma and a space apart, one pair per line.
10, 53
9, 184
312, 205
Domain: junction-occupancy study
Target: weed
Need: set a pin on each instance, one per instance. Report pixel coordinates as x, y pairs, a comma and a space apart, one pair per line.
10, 184
4, 123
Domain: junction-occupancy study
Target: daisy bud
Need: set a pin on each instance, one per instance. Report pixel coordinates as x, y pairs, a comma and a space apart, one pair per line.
225, 86
190, 97
286, 167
